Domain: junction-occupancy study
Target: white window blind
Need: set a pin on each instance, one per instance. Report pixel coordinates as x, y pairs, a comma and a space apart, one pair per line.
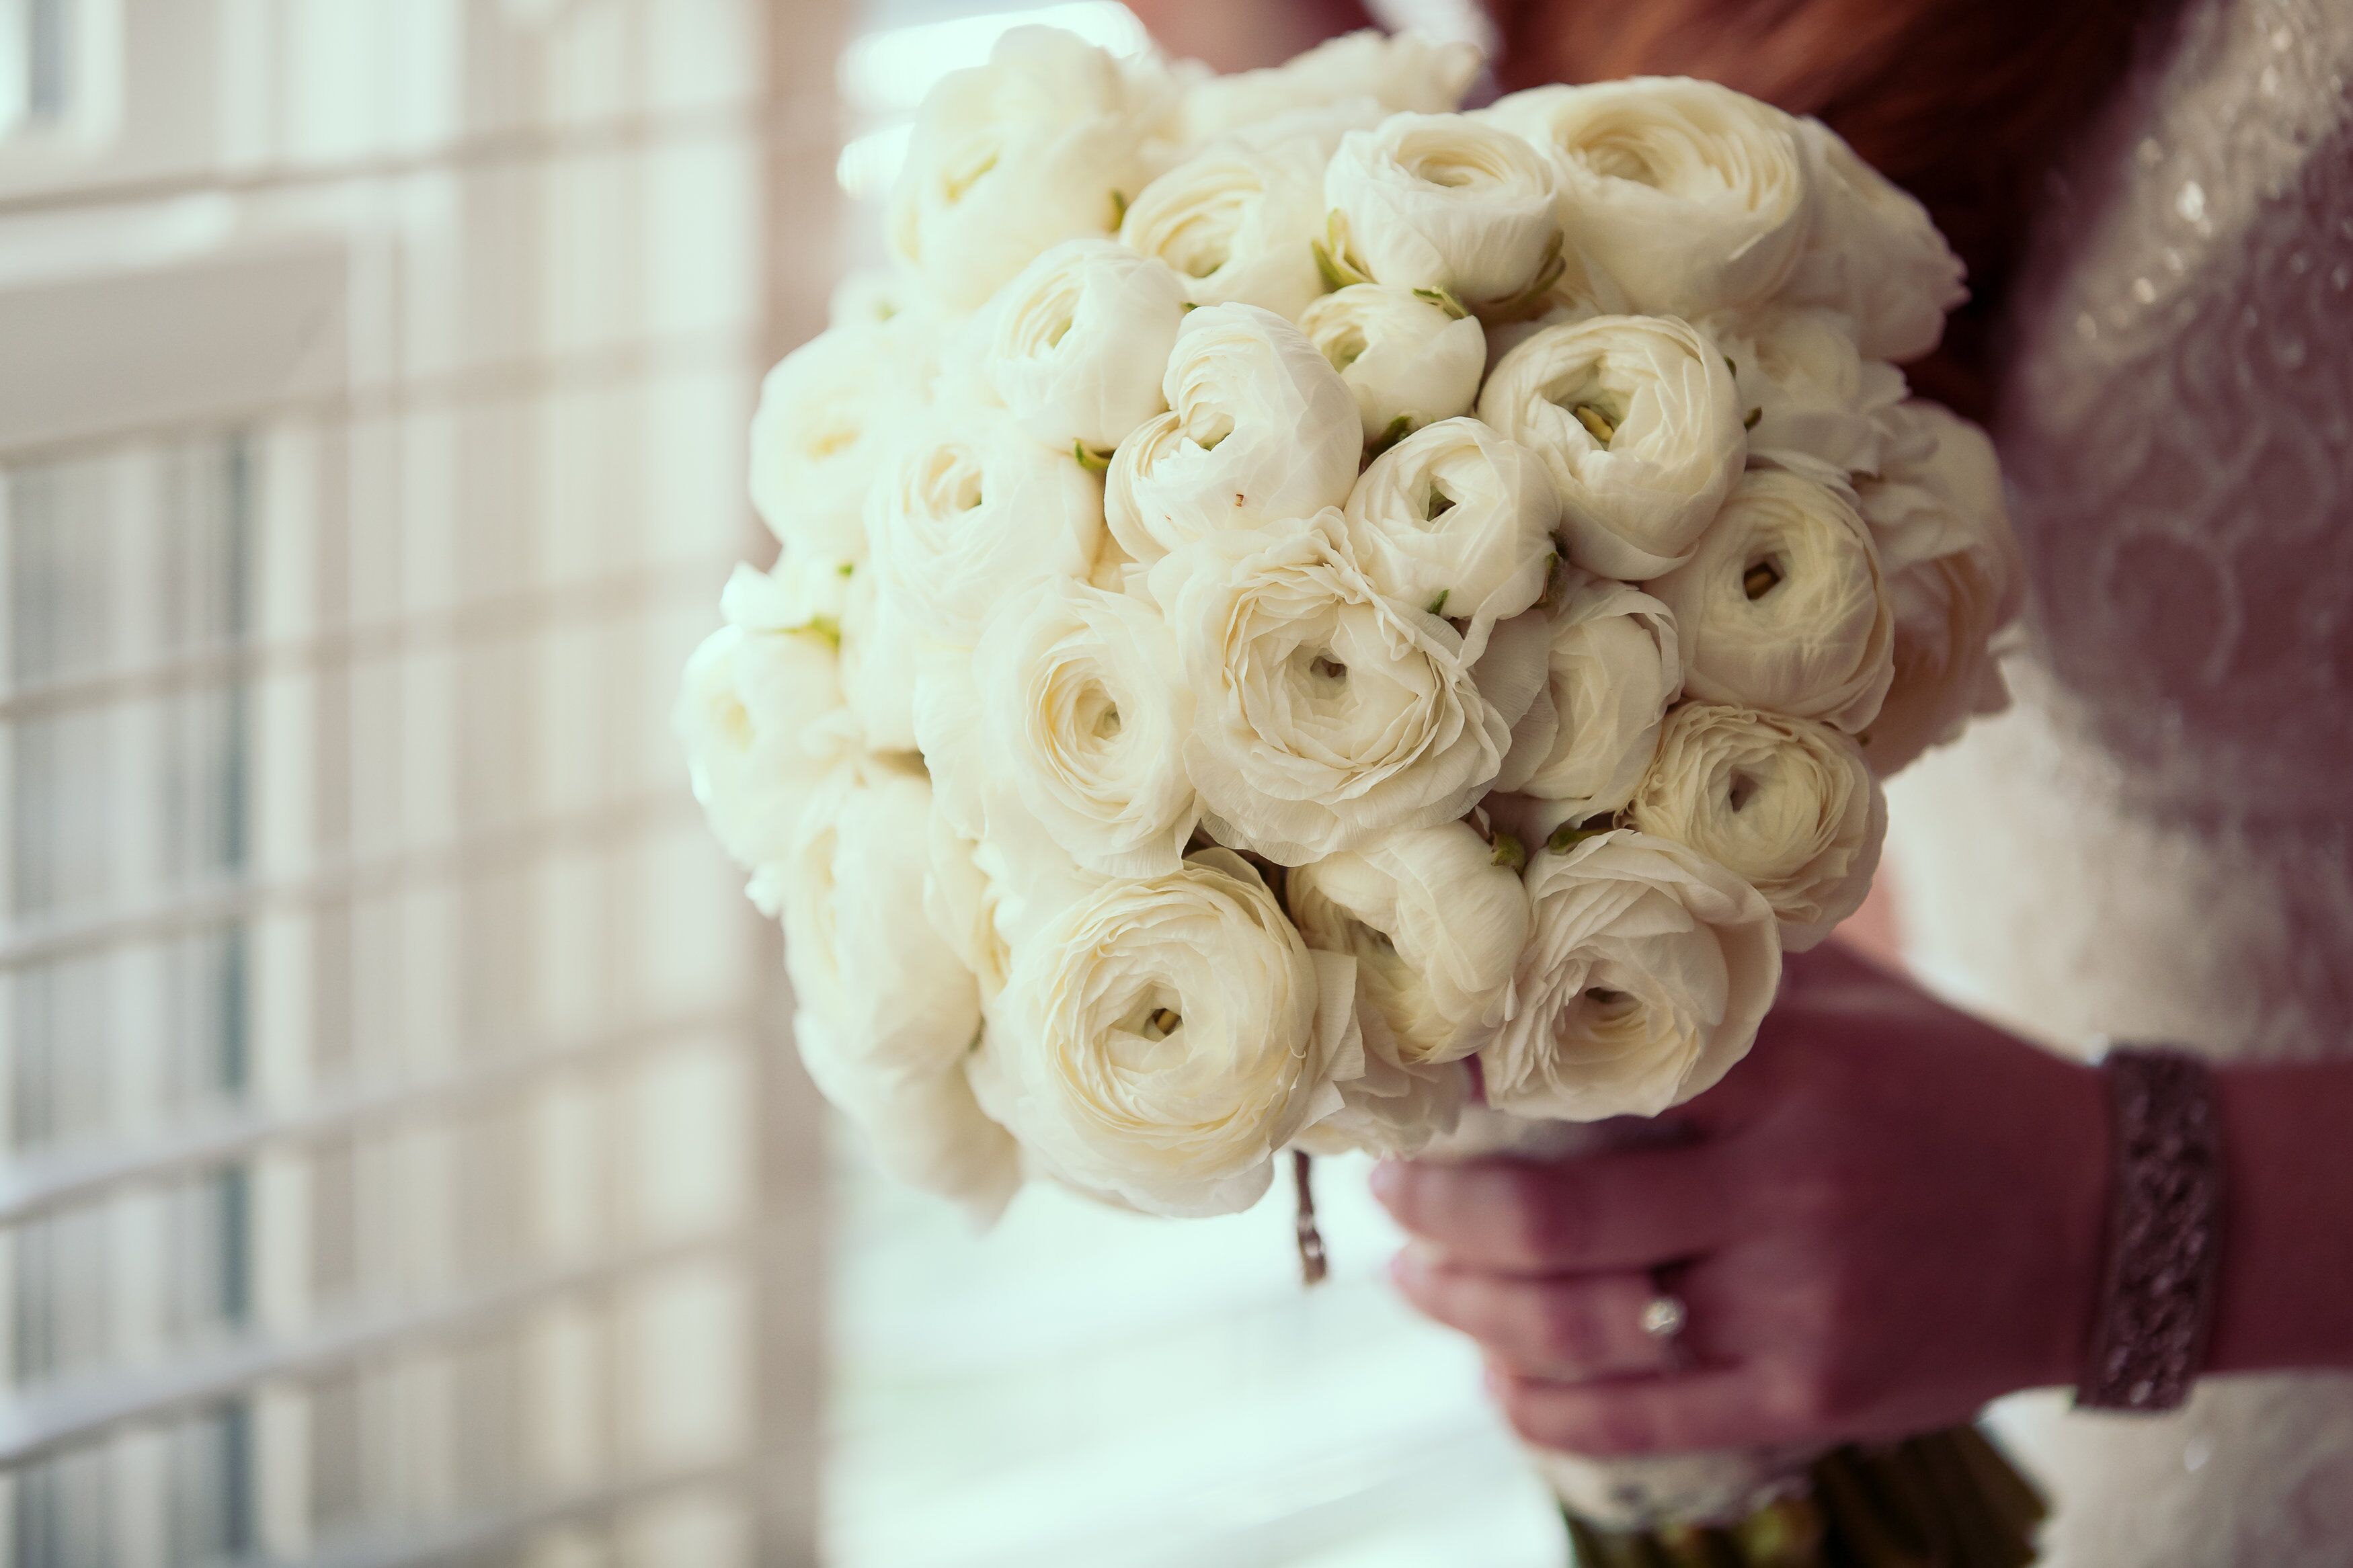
400, 1163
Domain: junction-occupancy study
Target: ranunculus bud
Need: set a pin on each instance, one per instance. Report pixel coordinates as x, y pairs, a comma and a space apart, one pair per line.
1647, 969
1458, 520
1694, 197
1409, 361
1786, 803
1443, 202
1636, 421
1079, 341
1783, 608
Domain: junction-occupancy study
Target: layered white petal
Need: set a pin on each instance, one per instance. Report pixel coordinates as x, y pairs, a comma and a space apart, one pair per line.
1083, 704
1162, 1039
1443, 201
972, 511
1955, 579
1612, 665
1647, 969
1260, 430
1458, 520
1874, 254
1694, 197
1327, 713
1039, 145
1786, 803
1408, 361
1638, 426
1079, 341
1783, 606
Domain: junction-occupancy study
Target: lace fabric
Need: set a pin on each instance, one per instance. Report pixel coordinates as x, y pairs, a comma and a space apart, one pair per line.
2156, 842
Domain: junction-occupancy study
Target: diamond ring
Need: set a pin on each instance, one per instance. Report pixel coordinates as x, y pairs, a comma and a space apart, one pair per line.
1663, 1317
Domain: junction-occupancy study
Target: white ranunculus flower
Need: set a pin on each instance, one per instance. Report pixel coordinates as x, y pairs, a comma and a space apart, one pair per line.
1083, 704
1325, 713
1039, 145
1161, 1039
1874, 254
1955, 578
760, 709
1694, 197
1443, 202
884, 651
1647, 969
1395, 72
1804, 389
1434, 919
888, 1012
1458, 520
1079, 341
1260, 429
1786, 805
1238, 220
971, 510
1613, 667
828, 412
1409, 361
925, 1130
1635, 420
1783, 606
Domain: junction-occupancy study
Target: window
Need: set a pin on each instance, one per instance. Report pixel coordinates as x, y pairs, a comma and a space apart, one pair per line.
400, 1166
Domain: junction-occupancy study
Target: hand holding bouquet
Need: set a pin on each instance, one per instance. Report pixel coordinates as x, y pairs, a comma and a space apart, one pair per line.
1303, 611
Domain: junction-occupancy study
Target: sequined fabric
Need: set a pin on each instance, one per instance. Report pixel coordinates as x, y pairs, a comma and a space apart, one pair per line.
2156, 842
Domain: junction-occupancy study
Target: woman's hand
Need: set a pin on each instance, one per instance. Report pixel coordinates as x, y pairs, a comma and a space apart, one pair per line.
1890, 1214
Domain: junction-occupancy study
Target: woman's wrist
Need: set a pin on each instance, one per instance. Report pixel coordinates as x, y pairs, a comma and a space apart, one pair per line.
2287, 1249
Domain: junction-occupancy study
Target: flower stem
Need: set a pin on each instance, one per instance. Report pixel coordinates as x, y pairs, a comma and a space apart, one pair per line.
1312, 1264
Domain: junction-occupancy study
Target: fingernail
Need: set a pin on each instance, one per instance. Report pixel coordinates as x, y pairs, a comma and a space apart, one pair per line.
1387, 1181
1408, 1268
1491, 1380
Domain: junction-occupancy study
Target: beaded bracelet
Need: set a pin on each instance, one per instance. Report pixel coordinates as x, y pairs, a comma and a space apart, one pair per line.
2165, 1233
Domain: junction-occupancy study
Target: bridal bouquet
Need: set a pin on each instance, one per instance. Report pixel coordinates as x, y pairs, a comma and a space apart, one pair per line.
1304, 610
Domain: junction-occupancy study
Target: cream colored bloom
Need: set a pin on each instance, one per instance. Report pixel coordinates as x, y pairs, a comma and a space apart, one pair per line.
1783, 607
1955, 579
1434, 922
1039, 145
1635, 420
972, 511
1694, 197
1647, 971
883, 652
1443, 201
1408, 361
1785, 804
1260, 429
1874, 254
1395, 72
1238, 220
760, 709
1079, 342
1612, 665
1083, 705
888, 1015
1327, 714
1458, 520
1160, 1040
1805, 390
828, 416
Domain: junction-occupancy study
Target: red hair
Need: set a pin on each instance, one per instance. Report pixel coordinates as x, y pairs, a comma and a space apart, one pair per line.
1964, 103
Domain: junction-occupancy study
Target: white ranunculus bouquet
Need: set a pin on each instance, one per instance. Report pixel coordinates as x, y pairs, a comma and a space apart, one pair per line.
1312, 620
